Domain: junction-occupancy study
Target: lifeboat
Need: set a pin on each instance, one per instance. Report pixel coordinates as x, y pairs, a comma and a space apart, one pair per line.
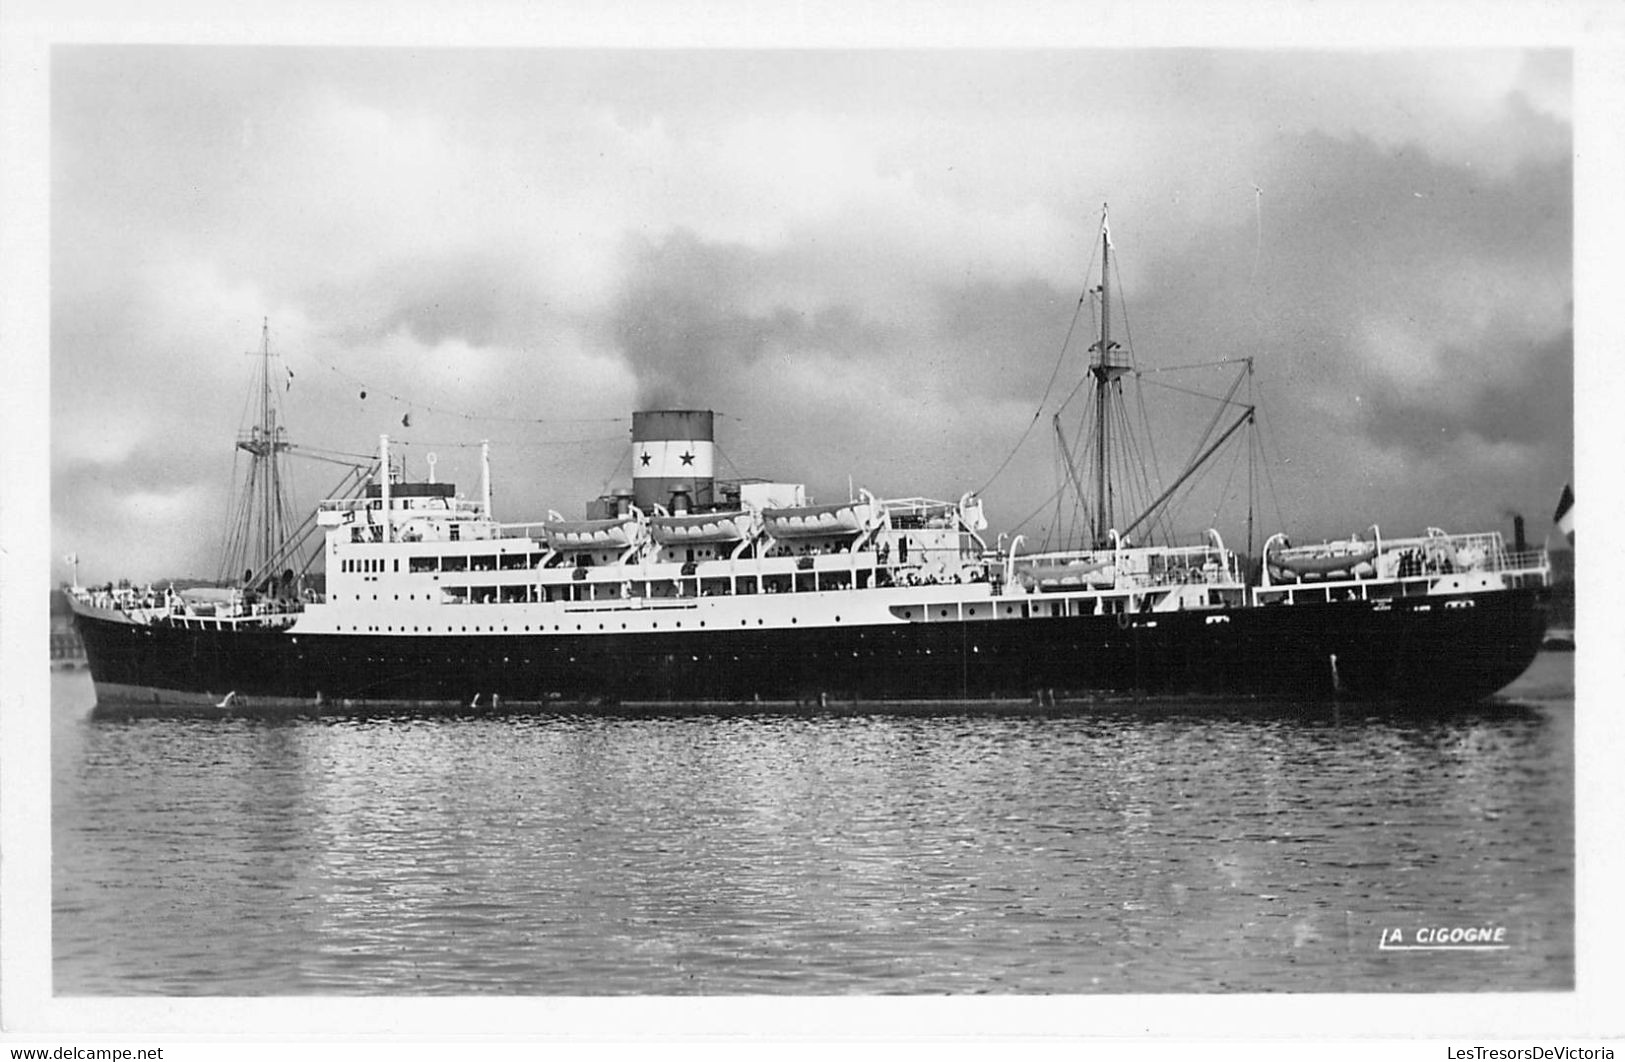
1324, 559
692, 528
808, 521
619, 532
1068, 576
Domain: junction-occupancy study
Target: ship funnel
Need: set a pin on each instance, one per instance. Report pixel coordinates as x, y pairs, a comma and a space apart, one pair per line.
1519, 544
672, 453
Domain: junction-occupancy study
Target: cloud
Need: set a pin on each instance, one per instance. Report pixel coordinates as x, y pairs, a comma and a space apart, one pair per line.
1529, 408
694, 316
869, 260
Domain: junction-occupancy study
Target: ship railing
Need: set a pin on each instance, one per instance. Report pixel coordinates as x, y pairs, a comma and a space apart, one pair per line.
1214, 574
1136, 568
1531, 560
224, 622
1474, 551
908, 513
127, 599
1414, 566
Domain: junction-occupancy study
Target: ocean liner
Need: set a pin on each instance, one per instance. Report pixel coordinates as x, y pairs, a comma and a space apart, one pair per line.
690, 592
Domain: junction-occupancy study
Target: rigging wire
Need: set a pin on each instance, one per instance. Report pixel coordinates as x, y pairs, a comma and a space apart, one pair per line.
626, 459
1037, 413
432, 408
1133, 471
1060, 357
1265, 439
1081, 515
1150, 438
316, 453
1195, 393
1258, 249
714, 445
1213, 424
506, 444
1225, 489
1024, 521
1252, 460
1192, 365
1055, 525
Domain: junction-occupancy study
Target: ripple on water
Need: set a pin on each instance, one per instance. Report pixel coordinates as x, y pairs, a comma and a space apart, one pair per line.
1140, 852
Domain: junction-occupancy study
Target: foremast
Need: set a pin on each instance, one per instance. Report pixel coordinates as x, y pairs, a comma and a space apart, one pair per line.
264, 518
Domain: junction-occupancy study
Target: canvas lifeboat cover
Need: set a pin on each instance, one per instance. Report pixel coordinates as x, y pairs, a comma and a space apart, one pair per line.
701, 527
842, 518
617, 533
1067, 574
1319, 560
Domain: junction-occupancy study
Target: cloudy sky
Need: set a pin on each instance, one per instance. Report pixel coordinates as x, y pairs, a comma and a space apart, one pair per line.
868, 261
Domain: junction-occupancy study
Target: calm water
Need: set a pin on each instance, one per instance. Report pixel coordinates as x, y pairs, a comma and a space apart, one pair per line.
1141, 851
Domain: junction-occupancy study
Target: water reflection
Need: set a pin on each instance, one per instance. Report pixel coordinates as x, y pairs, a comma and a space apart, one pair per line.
1133, 847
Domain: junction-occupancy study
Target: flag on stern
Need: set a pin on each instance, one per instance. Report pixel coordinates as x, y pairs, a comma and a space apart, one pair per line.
1564, 517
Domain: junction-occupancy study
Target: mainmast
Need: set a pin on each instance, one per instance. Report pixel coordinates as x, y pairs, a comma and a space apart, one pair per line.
1106, 372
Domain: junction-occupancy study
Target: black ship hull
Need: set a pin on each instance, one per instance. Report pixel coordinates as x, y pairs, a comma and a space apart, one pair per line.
1438, 650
